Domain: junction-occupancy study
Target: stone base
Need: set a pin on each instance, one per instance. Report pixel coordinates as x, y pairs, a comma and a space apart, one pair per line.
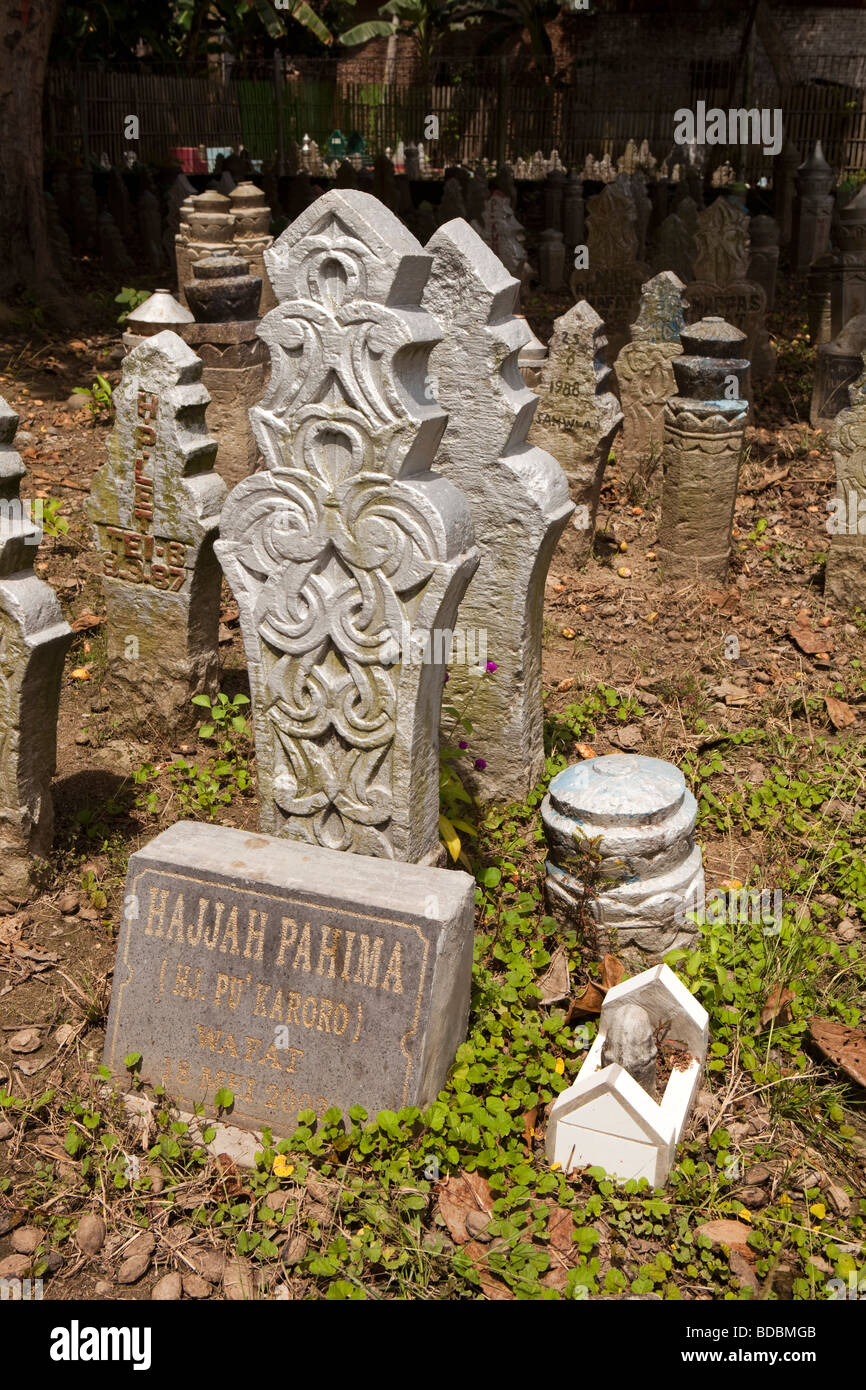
846, 571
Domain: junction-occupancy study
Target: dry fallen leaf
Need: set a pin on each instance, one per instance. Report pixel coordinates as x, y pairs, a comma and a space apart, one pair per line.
812, 643
844, 1046
733, 1234
591, 997
568, 632
555, 983
25, 1040
584, 751
529, 1126
85, 621
841, 715
776, 1006
80, 674
731, 694
459, 1194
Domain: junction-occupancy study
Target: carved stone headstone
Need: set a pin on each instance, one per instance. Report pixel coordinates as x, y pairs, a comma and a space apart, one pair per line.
112, 251
675, 248
504, 234
721, 288
644, 369
578, 414
612, 282
813, 210
346, 538
154, 508
703, 444
519, 500
846, 559
252, 235
33, 642
476, 196
643, 209
346, 176
837, 366
383, 181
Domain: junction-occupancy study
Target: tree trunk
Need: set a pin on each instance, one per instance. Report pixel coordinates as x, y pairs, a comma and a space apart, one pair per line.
25, 256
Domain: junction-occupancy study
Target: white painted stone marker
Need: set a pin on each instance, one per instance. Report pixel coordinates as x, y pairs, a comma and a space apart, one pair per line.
346, 538
606, 1118
643, 817
519, 499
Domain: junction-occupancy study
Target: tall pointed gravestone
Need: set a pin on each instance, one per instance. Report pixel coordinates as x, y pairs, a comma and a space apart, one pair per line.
846, 561
578, 415
33, 643
154, 507
644, 369
346, 538
519, 500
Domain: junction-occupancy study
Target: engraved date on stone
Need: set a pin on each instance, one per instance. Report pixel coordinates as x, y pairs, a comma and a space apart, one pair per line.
141, 559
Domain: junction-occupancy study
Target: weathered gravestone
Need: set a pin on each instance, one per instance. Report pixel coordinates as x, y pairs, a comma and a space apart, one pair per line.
703, 445
675, 248
612, 282
33, 643
764, 234
297, 977
721, 288
578, 415
837, 366
154, 509
346, 538
519, 500
813, 210
504, 234
846, 560
644, 369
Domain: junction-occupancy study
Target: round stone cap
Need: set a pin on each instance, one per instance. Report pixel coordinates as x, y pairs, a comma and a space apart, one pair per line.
618, 789
712, 337
161, 308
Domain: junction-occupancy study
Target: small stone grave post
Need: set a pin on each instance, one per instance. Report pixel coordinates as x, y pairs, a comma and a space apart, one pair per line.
154, 508
703, 444
33, 641
813, 210
578, 415
252, 236
612, 282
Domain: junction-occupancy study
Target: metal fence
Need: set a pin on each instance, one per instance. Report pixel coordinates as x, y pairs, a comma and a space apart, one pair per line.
486, 108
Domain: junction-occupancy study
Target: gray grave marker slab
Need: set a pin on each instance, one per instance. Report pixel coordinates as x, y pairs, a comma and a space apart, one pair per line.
298, 977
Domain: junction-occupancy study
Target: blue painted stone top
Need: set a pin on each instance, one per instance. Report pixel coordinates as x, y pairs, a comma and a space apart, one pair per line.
618, 789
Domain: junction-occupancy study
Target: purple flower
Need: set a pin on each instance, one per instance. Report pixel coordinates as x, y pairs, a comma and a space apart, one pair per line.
480, 764
447, 678
491, 666
463, 743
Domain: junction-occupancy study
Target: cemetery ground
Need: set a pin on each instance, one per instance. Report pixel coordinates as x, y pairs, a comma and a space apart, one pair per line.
757, 691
